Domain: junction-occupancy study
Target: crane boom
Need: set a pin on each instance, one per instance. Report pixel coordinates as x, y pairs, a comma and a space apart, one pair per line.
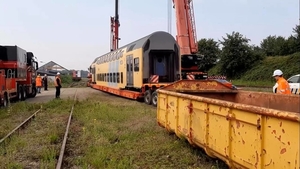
114, 28
187, 40
186, 29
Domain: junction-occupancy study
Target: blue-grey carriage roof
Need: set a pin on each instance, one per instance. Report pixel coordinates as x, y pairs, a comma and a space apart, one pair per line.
138, 43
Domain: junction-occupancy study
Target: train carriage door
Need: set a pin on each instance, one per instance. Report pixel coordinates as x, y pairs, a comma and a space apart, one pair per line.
129, 69
160, 65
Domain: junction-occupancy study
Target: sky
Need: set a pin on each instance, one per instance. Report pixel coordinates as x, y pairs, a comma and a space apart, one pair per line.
73, 33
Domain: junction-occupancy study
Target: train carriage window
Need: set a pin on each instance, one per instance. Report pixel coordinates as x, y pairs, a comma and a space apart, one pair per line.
136, 64
121, 77
118, 77
114, 77
104, 77
131, 66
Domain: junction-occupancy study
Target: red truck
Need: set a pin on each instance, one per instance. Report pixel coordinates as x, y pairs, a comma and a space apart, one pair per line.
17, 74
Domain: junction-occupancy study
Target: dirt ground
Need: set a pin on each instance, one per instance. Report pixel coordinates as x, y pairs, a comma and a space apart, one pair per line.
65, 93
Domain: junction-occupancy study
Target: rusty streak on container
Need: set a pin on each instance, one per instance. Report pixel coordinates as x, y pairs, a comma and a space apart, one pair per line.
259, 110
246, 121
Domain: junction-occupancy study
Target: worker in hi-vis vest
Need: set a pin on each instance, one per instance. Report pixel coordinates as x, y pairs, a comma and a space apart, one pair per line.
57, 84
38, 83
283, 85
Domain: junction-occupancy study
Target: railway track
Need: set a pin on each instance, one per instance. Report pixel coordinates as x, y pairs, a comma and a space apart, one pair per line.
20, 126
63, 146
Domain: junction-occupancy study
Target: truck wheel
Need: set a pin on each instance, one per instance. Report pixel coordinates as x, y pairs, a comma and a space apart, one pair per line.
5, 101
147, 97
154, 99
20, 93
33, 94
24, 93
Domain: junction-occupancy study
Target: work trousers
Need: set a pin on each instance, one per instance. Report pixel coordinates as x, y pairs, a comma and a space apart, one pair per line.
45, 86
38, 89
57, 93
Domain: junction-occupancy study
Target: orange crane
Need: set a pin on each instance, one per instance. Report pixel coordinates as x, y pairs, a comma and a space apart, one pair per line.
114, 28
187, 40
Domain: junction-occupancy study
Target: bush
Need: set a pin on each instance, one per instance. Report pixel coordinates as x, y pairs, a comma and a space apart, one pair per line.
66, 79
263, 70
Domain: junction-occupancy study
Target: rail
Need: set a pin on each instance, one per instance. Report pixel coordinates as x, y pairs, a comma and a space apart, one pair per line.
20, 125
63, 146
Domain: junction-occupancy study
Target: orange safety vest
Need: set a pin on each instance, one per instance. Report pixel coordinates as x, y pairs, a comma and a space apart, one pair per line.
55, 82
38, 81
283, 86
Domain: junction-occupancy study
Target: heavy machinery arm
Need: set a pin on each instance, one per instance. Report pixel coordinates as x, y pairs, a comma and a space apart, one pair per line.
187, 40
114, 28
186, 29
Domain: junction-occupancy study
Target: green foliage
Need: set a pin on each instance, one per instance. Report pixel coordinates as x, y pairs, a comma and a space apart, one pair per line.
66, 79
210, 51
263, 70
239, 60
296, 37
237, 55
279, 46
216, 70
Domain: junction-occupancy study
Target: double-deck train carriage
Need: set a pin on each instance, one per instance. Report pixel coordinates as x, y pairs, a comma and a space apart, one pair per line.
93, 72
136, 70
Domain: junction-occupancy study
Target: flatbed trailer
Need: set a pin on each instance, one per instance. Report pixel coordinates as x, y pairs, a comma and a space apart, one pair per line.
245, 129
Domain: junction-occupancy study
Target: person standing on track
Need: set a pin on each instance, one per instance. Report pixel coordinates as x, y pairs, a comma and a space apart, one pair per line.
283, 85
45, 80
57, 83
38, 82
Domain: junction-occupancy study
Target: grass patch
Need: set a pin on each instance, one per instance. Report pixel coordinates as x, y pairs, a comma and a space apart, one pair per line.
244, 83
111, 132
39, 144
106, 132
11, 116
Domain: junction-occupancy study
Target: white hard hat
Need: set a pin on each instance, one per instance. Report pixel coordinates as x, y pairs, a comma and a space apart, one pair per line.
58, 73
277, 73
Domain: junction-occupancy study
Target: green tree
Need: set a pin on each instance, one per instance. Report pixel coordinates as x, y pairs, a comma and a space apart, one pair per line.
278, 45
296, 35
209, 49
291, 44
275, 45
237, 55
268, 45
